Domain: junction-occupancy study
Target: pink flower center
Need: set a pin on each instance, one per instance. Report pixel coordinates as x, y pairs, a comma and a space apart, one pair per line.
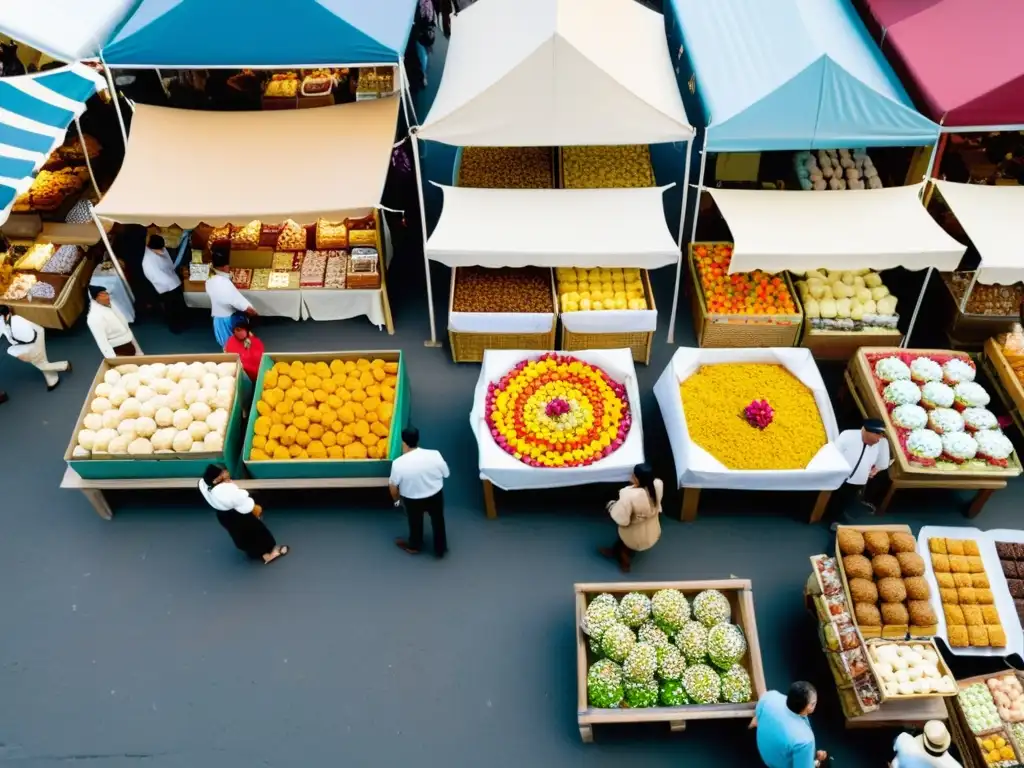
759, 414
557, 407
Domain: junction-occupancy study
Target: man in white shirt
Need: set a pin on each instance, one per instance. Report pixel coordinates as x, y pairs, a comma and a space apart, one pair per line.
929, 750
417, 481
867, 452
158, 266
28, 344
112, 333
225, 298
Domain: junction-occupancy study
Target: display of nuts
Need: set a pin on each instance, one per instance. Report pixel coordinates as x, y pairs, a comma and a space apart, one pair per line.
506, 168
478, 289
260, 280
607, 167
64, 261
286, 260
246, 237
1000, 300
292, 238
314, 265
241, 277
331, 234
337, 267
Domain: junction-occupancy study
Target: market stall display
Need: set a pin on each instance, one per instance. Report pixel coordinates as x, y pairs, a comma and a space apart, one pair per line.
553, 420
883, 577
606, 167
500, 309
755, 309
988, 311
62, 178
327, 414
627, 292
714, 403
44, 283
977, 617
921, 457
1002, 359
666, 652
830, 169
505, 168
1009, 546
988, 712
159, 416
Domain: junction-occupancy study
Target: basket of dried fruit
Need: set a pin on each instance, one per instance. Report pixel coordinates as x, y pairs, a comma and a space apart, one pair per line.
500, 309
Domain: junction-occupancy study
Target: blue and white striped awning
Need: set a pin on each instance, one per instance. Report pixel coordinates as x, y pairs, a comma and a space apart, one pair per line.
35, 112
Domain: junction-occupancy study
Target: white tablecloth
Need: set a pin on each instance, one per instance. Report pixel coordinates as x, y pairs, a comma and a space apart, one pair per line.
342, 304
510, 474
277, 303
501, 322
118, 294
696, 468
613, 321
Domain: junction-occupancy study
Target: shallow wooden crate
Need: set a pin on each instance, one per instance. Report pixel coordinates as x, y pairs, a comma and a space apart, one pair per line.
713, 330
944, 669
969, 329
468, 347
866, 632
741, 598
995, 363
169, 465
966, 740
64, 311
842, 345
638, 342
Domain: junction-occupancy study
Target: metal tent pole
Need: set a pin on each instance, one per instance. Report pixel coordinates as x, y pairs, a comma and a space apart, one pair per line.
700, 187
679, 243
970, 289
917, 307
110, 252
113, 95
423, 230
407, 95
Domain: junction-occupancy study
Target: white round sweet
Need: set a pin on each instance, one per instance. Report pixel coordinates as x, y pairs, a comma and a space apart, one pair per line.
182, 442
198, 430
130, 408
111, 377
100, 405
164, 417
140, 446
181, 419
119, 444
131, 383
103, 389
93, 421
144, 394
126, 427
86, 438
213, 442
118, 395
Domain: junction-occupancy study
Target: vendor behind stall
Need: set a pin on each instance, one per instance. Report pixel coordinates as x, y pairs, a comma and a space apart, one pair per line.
225, 298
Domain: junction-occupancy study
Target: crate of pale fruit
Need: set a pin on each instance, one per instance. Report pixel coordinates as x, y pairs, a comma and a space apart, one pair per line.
607, 308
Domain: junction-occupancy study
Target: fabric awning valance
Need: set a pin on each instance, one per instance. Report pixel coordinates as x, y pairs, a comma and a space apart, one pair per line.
991, 217
553, 228
185, 167
838, 229
68, 30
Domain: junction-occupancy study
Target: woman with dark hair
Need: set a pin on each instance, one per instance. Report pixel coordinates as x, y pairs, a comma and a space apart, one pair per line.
636, 513
240, 516
243, 342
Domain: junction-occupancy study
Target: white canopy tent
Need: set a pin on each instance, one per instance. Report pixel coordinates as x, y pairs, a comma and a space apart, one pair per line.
839, 229
992, 218
555, 73
68, 30
552, 228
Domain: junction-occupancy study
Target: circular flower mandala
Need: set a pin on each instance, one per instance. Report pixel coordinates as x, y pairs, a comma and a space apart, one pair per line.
558, 411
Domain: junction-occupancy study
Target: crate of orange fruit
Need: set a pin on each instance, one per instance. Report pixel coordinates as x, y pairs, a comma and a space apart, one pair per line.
327, 414
745, 309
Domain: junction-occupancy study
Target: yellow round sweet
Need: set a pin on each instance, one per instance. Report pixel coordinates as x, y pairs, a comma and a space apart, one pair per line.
259, 441
335, 452
293, 394
359, 395
301, 422
276, 431
275, 418
287, 418
315, 431
302, 439
378, 428
329, 439
270, 447
337, 426
307, 398
329, 386
320, 396
316, 450
358, 410
281, 453
284, 382
313, 381
295, 450
285, 406
257, 455
299, 407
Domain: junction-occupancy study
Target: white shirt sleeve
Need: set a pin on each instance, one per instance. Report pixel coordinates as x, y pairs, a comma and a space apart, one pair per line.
7, 332
396, 475
240, 499
95, 322
444, 465
882, 462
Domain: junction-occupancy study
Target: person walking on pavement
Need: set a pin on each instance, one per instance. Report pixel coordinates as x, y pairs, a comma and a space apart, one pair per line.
929, 750
113, 335
240, 516
28, 344
158, 268
784, 735
636, 512
225, 298
867, 452
417, 482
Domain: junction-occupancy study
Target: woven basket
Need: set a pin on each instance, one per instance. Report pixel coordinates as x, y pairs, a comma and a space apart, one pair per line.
638, 342
469, 347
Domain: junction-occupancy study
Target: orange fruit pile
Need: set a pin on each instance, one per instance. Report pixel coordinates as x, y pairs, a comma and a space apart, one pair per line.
743, 293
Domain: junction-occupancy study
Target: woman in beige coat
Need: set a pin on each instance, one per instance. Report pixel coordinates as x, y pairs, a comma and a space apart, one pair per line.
636, 512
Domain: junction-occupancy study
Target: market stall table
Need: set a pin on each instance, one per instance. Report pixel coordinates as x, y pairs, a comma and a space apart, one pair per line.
271, 303
498, 467
696, 467
904, 474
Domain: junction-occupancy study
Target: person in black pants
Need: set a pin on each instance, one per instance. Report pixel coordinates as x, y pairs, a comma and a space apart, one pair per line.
417, 482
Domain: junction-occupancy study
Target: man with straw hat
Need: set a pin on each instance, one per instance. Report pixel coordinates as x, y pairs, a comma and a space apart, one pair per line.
929, 750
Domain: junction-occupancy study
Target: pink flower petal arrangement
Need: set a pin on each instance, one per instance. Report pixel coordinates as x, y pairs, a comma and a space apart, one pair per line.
557, 407
759, 414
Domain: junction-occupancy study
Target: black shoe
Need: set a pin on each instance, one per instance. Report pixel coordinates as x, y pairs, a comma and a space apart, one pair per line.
403, 545
69, 367
52, 387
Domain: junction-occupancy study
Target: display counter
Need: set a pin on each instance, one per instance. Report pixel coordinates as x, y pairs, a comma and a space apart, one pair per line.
68, 302
990, 309
701, 691
629, 324
929, 466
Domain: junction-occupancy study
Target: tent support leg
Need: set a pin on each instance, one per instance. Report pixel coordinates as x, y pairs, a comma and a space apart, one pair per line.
110, 253
969, 291
407, 95
700, 187
423, 230
679, 243
88, 164
917, 307
117, 104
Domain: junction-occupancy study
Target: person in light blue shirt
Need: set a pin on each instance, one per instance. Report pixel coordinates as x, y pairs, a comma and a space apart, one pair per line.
784, 735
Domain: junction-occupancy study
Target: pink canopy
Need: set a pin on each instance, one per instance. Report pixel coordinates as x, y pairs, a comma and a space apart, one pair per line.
962, 59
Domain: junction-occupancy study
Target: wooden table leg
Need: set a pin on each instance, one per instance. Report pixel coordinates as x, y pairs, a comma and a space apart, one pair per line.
587, 734
691, 497
979, 501
819, 506
889, 493
489, 506
99, 503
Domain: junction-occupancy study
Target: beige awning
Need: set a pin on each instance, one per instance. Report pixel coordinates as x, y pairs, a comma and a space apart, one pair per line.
185, 167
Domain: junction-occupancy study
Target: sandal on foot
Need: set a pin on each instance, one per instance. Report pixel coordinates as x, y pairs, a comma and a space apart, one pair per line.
284, 550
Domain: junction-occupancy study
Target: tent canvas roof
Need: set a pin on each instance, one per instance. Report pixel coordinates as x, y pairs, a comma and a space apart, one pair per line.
557, 73
233, 167
982, 89
887, 13
553, 228
794, 74
848, 229
991, 217
68, 30
262, 33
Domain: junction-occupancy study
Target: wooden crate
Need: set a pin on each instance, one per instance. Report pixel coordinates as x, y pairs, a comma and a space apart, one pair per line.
970, 329
967, 741
639, 342
713, 330
842, 345
741, 598
1000, 372
64, 311
169, 464
944, 669
860, 373
469, 347
867, 632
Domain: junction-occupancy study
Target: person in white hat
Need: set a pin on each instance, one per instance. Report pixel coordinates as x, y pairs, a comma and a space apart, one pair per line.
929, 750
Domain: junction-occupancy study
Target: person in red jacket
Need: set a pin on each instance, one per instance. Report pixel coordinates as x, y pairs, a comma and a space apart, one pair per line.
243, 342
